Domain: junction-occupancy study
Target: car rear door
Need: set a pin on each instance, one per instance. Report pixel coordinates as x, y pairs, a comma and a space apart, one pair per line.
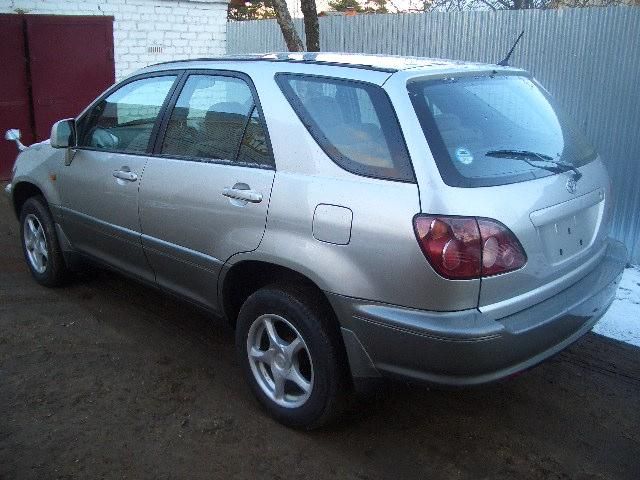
100, 185
206, 189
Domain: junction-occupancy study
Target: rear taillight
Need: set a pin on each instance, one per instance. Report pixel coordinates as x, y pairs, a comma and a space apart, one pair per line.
501, 250
462, 248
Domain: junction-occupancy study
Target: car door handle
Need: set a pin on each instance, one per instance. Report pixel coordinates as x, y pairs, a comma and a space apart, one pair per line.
244, 195
125, 175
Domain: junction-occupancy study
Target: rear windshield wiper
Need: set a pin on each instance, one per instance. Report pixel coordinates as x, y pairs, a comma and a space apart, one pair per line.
529, 157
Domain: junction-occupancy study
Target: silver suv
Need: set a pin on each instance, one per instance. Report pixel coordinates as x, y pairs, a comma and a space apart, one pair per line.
354, 216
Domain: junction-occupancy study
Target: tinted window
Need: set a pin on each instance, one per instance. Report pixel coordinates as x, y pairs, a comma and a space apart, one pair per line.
254, 148
353, 122
209, 121
124, 120
474, 124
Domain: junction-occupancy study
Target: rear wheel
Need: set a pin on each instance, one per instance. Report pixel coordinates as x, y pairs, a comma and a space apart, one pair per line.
40, 243
292, 356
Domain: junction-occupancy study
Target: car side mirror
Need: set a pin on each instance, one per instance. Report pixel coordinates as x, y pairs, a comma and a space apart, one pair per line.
63, 134
14, 135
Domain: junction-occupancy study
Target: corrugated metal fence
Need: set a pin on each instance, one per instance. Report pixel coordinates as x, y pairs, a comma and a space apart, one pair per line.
588, 58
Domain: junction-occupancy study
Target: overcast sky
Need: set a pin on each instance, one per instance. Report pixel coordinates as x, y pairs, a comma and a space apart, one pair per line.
294, 7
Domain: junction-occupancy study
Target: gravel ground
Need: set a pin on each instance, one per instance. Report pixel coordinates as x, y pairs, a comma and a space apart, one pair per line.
108, 379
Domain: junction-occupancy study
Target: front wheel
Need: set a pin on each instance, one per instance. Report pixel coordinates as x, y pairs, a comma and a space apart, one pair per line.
292, 356
40, 243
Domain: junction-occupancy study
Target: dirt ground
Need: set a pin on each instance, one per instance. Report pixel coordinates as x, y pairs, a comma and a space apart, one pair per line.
109, 379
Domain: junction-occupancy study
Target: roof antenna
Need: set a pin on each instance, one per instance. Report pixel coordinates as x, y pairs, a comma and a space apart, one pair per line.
505, 61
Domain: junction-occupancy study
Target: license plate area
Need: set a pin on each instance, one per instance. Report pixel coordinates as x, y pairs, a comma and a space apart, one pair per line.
566, 237
567, 229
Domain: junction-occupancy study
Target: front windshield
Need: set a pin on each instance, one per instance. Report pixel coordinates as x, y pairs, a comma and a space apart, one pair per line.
466, 120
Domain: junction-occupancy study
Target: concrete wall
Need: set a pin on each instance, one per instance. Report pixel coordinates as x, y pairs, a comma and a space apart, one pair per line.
146, 31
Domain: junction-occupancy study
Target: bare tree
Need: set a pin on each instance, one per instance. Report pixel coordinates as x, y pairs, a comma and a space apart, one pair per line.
254, 10
311, 25
291, 37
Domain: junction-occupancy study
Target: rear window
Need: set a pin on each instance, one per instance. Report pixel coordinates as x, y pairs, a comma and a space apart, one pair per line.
353, 122
473, 123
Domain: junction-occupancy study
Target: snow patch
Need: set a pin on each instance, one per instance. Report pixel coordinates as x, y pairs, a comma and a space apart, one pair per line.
622, 320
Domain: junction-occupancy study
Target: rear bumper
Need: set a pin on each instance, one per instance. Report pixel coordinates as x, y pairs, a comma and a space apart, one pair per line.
466, 348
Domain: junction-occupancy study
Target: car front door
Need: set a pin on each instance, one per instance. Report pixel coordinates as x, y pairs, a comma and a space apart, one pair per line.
206, 189
100, 186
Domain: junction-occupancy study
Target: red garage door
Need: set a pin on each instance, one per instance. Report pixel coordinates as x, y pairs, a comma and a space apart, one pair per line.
15, 106
71, 62
55, 65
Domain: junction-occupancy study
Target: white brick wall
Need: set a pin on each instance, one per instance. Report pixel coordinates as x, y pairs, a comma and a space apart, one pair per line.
179, 28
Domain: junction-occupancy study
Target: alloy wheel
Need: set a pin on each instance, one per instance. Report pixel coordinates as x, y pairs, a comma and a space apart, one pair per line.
280, 361
35, 243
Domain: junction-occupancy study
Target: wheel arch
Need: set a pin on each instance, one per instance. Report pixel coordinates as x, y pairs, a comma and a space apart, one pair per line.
243, 278
22, 191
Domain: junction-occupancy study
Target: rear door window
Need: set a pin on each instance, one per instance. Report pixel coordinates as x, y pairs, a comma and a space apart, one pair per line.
353, 122
254, 148
216, 118
494, 130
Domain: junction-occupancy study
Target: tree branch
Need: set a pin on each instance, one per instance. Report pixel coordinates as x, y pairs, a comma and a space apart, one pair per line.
291, 37
488, 4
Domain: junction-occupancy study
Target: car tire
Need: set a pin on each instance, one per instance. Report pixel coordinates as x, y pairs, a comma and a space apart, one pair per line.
40, 243
304, 323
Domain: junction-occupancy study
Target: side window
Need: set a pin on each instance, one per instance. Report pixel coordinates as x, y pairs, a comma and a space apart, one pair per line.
254, 149
215, 118
353, 122
123, 121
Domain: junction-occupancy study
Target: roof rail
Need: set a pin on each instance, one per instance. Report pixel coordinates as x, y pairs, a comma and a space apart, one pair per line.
281, 58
